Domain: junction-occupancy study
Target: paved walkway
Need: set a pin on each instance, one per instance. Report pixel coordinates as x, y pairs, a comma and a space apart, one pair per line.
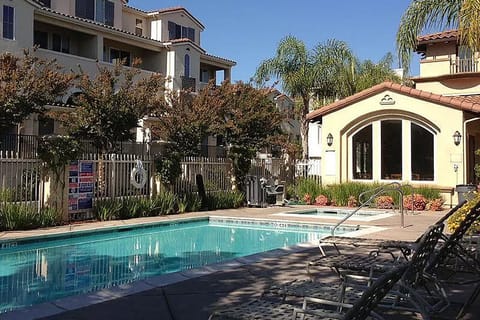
194, 294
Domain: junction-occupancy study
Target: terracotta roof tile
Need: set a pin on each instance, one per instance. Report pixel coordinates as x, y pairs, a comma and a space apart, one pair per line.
445, 35
467, 103
166, 10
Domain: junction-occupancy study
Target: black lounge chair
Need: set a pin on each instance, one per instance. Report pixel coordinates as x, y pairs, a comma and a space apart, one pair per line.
313, 308
406, 247
429, 281
413, 293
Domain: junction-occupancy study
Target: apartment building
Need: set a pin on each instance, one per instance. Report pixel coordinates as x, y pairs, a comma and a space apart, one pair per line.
422, 135
89, 33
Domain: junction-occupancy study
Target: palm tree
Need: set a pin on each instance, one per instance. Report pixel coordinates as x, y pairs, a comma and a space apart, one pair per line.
368, 74
303, 73
421, 15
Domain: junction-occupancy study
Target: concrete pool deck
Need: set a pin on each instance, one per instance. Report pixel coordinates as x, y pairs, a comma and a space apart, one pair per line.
193, 294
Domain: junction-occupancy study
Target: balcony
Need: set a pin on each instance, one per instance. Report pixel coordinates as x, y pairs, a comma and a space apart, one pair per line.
463, 65
89, 66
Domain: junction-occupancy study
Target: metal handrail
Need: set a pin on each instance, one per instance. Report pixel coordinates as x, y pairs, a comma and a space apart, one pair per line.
394, 186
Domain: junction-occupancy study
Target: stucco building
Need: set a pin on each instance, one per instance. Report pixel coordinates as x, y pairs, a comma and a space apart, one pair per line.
101, 32
424, 135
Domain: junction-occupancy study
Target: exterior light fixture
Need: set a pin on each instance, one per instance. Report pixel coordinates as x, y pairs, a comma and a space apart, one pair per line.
457, 138
329, 139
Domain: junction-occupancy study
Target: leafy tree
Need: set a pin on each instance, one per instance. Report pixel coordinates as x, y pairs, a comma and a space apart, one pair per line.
420, 15
183, 121
246, 117
27, 83
110, 105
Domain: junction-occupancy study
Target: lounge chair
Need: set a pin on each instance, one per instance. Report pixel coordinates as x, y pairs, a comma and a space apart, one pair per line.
376, 260
409, 296
406, 247
313, 308
430, 278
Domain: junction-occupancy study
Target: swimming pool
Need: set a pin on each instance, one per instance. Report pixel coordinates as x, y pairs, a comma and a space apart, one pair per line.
340, 213
35, 271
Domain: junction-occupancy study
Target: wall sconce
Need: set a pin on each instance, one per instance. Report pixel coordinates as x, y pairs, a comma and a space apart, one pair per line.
457, 138
329, 139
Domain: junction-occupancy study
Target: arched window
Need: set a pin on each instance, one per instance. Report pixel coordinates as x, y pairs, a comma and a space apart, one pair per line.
187, 66
362, 153
393, 149
422, 156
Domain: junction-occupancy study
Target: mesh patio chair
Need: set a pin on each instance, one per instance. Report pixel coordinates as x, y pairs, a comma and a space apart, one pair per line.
428, 289
405, 247
376, 262
413, 293
313, 308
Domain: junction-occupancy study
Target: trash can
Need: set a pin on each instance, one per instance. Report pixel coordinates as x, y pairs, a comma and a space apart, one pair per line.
464, 191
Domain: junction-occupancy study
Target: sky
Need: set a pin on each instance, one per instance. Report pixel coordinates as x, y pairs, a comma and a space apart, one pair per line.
248, 31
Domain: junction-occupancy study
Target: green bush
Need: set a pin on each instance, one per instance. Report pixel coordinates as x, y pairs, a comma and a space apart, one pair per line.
189, 202
425, 191
224, 200
107, 209
164, 203
340, 193
134, 207
307, 186
21, 217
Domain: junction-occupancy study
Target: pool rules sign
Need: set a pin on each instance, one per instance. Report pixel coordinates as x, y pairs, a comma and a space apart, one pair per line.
81, 182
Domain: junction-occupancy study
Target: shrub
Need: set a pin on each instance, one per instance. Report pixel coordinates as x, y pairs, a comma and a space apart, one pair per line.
224, 200
341, 193
164, 203
21, 217
307, 186
435, 204
189, 202
426, 191
307, 198
352, 202
414, 202
107, 209
384, 202
322, 200
49, 217
454, 221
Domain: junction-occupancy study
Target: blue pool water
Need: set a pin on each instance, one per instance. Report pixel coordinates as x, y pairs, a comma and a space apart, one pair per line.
32, 272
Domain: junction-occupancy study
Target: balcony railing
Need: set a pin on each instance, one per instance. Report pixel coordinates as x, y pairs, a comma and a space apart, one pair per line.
22, 146
463, 65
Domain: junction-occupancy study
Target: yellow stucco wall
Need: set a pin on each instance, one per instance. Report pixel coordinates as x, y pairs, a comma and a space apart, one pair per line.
463, 86
442, 121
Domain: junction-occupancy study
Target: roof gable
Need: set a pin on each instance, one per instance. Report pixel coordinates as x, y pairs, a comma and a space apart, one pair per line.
460, 103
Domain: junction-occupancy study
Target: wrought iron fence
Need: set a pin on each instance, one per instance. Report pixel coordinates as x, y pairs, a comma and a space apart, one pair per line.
21, 146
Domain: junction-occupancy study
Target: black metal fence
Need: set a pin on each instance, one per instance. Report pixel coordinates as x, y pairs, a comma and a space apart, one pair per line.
19, 146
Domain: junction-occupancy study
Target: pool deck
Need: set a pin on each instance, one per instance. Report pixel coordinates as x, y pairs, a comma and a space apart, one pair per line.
193, 294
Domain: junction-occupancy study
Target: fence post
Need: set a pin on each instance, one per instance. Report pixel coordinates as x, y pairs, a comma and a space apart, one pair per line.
55, 193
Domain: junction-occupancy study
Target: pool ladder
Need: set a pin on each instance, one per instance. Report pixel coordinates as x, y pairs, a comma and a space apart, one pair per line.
393, 186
